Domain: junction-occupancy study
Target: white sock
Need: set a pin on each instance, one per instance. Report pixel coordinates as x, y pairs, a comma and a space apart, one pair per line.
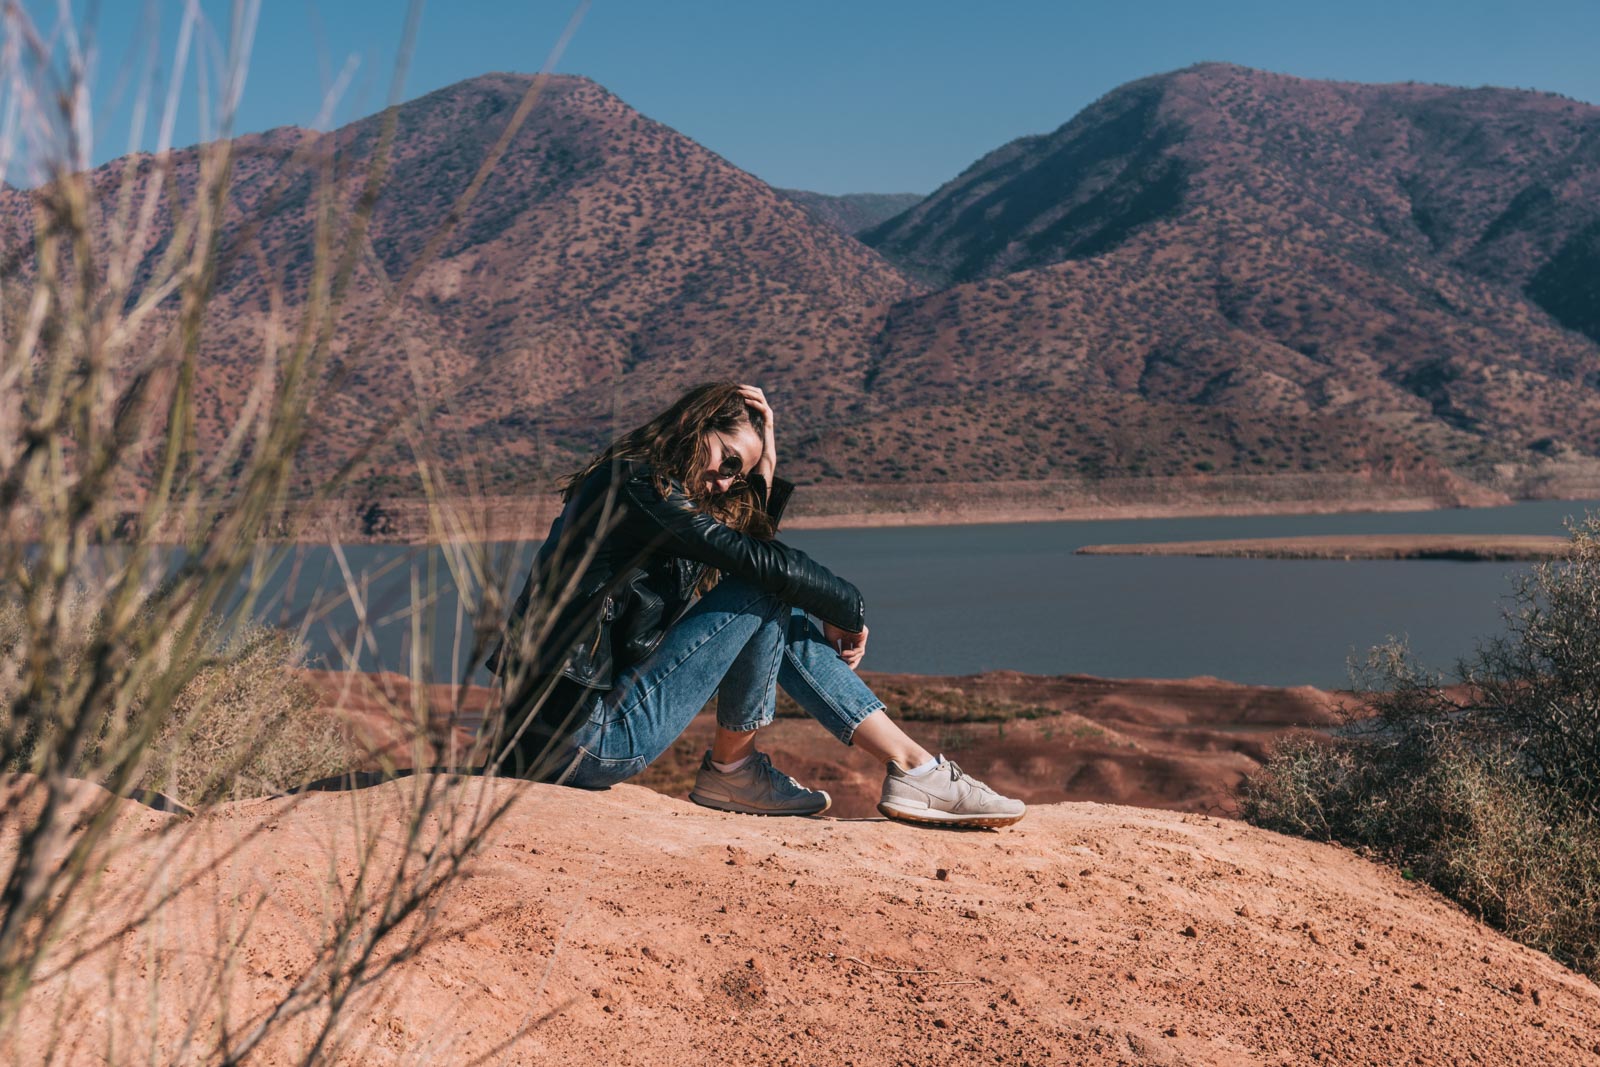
925, 768
729, 768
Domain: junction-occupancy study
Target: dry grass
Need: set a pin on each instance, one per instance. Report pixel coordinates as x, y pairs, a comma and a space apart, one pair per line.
248, 712
1468, 823
244, 725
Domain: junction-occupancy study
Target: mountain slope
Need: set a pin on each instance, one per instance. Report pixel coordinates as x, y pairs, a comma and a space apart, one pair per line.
853, 212
1324, 260
603, 248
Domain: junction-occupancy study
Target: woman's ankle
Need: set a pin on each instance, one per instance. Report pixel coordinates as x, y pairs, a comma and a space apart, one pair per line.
731, 746
880, 737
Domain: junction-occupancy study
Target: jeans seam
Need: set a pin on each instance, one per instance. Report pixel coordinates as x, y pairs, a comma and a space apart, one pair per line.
565, 776
827, 698
770, 692
745, 728
770, 698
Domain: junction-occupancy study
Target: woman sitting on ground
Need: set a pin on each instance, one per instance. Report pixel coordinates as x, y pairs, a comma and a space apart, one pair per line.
660, 584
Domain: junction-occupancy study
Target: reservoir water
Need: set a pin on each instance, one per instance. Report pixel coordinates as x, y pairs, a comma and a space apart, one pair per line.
962, 599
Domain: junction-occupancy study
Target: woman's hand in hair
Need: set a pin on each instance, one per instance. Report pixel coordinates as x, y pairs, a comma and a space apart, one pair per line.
850, 646
756, 401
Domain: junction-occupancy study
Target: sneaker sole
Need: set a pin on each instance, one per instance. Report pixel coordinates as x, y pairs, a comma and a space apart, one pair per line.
745, 809
925, 818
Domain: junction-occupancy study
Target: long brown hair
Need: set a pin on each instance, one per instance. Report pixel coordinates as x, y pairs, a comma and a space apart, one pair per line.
674, 445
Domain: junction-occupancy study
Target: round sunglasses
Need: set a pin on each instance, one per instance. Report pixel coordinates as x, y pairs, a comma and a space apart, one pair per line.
732, 465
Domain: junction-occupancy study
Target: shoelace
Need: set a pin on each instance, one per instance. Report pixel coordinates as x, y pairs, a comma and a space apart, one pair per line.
957, 774
765, 762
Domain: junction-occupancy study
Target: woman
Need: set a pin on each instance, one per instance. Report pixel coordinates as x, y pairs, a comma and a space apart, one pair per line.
660, 584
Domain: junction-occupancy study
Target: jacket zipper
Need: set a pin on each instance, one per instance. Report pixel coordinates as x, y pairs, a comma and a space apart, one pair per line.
606, 615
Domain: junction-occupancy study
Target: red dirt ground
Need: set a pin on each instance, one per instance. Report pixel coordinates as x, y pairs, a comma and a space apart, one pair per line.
631, 927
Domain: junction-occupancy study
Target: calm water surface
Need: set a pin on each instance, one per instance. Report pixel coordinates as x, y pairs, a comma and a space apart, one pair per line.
961, 599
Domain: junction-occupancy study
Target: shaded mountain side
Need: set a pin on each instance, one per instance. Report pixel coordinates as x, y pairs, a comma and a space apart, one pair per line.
1568, 285
852, 212
1037, 200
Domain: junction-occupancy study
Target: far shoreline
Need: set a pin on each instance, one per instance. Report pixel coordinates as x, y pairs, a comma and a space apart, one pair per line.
527, 518
1004, 517
511, 519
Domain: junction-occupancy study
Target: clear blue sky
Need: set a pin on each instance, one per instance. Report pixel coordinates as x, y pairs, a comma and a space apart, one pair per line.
860, 96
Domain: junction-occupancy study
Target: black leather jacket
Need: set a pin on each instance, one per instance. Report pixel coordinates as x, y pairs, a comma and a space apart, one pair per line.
621, 564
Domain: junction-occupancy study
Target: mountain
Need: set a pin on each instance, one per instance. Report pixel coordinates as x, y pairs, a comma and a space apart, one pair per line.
607, 261
1213, 287
1240, 269
853, 212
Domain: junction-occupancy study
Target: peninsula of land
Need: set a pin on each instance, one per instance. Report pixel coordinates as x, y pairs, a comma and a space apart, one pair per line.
1495, 548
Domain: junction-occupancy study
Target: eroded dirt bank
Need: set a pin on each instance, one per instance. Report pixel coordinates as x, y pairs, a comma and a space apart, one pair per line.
629, 927
1182, 745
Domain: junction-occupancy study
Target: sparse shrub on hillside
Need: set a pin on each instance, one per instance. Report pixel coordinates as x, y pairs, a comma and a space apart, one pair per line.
1488, 789
1540, 683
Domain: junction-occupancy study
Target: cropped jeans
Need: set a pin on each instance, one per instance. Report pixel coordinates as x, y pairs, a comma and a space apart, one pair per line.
737, 642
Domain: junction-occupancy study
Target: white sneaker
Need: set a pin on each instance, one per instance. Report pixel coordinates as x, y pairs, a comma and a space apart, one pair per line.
946, 797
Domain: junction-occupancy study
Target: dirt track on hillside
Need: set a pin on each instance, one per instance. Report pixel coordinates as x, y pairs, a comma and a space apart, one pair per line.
629, 927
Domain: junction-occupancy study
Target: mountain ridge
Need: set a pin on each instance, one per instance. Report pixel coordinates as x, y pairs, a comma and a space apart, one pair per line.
1385, 328
1213, 271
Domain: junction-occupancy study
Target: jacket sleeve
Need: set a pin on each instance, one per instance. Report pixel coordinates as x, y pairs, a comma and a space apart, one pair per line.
678, 527
778, 499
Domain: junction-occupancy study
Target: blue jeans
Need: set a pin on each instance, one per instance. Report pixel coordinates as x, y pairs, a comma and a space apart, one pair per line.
737, 642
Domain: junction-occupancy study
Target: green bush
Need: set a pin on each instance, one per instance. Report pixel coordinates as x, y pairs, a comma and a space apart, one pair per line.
1488, 788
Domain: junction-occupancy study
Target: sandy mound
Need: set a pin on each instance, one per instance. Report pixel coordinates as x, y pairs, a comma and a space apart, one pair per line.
627, 926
